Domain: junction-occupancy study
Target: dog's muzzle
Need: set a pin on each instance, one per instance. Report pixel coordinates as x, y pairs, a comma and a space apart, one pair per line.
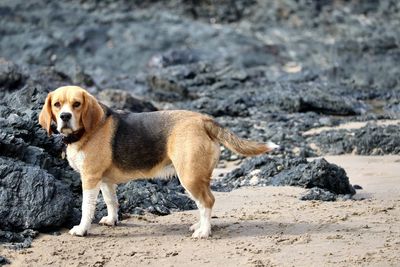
65, 116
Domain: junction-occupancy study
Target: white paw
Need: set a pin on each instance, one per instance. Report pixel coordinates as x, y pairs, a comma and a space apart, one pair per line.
106, 220
78, 231
195, 226
202, 232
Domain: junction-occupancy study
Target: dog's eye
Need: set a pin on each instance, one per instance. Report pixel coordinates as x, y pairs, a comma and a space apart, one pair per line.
57, 104
76, 104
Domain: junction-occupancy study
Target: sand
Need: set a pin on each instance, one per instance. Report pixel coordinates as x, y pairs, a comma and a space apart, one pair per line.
266, 226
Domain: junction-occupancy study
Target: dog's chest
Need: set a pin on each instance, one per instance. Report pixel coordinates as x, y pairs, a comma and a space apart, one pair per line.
75, 158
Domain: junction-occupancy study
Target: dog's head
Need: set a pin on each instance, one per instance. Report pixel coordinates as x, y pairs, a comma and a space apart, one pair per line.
71, 108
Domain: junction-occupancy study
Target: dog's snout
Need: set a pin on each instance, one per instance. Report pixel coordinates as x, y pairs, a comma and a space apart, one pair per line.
65, 116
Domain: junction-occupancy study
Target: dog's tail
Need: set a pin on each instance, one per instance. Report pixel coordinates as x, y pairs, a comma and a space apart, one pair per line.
234, 142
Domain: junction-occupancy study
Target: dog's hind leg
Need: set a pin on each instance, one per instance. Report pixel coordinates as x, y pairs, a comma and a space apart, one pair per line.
194, 165
108, 190
201, 194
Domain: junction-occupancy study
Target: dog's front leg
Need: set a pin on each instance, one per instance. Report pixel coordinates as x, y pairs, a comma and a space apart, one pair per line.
89, 198
108, 191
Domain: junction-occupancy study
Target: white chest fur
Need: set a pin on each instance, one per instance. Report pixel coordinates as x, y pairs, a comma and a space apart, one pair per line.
75, 157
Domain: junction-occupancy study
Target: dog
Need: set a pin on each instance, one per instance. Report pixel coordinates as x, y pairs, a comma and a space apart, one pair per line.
109, 147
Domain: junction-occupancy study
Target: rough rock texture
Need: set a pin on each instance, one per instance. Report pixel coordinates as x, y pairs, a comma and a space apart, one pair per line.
10, 75
31, 198
155, 196
4, 261
368, 140
18, 240
122, 100
317, 193
264, 171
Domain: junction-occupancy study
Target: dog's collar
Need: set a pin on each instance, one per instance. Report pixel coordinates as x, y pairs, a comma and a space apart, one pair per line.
73, 137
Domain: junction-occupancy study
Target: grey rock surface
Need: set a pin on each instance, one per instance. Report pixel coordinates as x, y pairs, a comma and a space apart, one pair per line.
122, 100
317, 193
265, 171
369, 140
31, 198
17, 240
4, 261
158, 196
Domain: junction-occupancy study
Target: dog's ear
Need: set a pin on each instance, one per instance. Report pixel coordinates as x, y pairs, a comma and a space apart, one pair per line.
46, 116
92, 113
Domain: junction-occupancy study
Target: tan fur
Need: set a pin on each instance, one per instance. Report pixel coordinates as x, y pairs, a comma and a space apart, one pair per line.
46, 115
192, 147
194, 155
233, 142
92, 113
96, 143
98, 154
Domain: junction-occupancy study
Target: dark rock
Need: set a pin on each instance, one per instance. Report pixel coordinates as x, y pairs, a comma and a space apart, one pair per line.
318, 173
264, 171
123, 100
167, 87
173, 57
17, 240
31, 197
377, 140
368, 140
357, 187
317, 193
80, 77
4, 261
157, 196
11, 77
18, 142
393, 109
231, 100
224, 11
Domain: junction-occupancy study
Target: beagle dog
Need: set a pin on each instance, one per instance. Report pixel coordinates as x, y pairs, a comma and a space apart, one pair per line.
108, 147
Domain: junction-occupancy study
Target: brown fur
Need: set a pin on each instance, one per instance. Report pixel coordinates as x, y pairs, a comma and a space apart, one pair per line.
192, 146
233, 142
46, 115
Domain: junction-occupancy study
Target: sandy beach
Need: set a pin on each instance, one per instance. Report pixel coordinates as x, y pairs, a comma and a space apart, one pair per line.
266, 226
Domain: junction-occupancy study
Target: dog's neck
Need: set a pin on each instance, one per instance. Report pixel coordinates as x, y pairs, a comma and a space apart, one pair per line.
73, 137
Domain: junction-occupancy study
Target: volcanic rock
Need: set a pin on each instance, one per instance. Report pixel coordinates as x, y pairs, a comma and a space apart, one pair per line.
157, 196
4, 261
317, 193
368, 140
265, 170
17, 240
123, 100
31, 198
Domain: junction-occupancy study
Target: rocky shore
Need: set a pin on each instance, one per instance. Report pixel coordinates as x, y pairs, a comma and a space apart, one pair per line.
268, 70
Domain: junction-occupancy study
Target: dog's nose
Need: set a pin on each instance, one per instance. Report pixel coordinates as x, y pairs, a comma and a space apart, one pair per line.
65, 116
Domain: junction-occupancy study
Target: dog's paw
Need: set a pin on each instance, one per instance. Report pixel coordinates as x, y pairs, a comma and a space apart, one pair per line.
78, 231
202, 232
106, 220
194, 227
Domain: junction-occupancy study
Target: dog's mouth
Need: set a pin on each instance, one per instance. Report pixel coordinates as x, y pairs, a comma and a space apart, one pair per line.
66, 131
